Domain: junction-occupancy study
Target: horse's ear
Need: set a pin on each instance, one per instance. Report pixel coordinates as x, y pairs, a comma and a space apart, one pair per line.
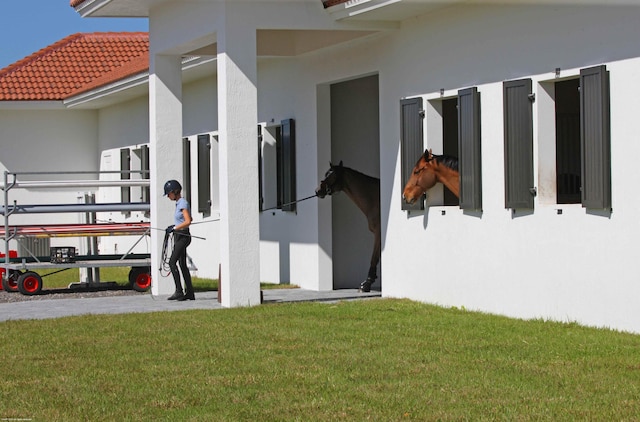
340, 165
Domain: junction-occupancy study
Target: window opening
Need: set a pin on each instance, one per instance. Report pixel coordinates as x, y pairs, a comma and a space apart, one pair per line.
450, 139
568, 162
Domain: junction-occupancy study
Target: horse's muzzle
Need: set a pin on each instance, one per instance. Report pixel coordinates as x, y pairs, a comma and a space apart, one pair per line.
409, 201
321, 193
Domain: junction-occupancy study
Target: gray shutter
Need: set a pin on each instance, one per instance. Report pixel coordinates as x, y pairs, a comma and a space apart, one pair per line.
125, 168
518, 144
288, 163
411, 143
204, 174
186, 169
144, 165
595, 137
260, 191
469, 163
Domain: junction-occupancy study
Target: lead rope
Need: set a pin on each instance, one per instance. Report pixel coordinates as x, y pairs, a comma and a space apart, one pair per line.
290, 203
166, 254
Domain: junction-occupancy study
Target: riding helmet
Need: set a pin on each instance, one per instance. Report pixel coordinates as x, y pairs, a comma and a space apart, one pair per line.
172, 186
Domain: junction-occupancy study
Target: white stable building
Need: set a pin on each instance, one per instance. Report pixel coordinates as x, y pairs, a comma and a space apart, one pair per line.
249, 100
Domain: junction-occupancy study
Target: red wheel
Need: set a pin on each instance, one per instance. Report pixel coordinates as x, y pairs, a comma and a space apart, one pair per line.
140, 278
11, 283
30, 283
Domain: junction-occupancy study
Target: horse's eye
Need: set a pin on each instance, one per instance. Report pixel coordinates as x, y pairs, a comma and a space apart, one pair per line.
418, 171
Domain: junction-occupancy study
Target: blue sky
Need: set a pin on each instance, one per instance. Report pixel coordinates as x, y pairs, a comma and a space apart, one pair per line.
28, 26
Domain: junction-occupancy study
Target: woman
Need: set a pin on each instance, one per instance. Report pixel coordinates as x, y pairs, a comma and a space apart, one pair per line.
181, 239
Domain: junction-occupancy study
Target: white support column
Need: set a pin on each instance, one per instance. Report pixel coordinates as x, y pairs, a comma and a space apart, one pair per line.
237, 119
165, 154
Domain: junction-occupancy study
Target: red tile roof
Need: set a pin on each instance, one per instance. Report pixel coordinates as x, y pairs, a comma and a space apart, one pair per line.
75, 64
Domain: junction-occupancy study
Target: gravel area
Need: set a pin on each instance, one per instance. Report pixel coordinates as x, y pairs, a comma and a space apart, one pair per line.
48, 294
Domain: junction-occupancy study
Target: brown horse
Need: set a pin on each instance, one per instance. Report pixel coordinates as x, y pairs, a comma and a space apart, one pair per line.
429, 170
364, 191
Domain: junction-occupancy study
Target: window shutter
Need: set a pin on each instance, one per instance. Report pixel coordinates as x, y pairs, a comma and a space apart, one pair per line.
144, 165
411, 143
125, 167
260, 192
470, 163
518, 144
186, 169
595, 137
204, 174
287, 157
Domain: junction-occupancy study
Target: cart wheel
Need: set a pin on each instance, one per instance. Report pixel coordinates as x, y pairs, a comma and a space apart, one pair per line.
30, 283
11, 283
140, 278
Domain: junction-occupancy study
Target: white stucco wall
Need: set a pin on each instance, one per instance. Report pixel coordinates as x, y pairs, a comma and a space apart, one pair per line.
575, 266
40, 141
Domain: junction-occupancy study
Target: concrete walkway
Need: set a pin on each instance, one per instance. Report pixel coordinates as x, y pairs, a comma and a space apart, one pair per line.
57, 308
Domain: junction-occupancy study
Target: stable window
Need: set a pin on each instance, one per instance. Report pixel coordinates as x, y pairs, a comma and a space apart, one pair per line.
277, 166
453, 126
568, 162
134, 164
574, 140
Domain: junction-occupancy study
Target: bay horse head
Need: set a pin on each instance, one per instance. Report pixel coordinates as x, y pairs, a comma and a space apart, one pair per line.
332, 181
429, 170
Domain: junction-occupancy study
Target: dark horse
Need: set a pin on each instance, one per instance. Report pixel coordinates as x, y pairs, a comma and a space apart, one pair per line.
429, 170
364, 191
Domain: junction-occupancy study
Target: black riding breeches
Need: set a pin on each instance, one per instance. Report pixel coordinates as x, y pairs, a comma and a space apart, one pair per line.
181, 239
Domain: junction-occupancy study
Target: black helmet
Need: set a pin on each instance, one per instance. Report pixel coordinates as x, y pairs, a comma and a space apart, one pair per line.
172, 186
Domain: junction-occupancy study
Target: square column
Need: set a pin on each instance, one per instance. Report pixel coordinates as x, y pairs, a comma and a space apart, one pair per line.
165, 154
238, 156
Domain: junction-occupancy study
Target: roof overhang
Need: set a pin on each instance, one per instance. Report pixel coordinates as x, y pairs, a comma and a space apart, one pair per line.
136, 86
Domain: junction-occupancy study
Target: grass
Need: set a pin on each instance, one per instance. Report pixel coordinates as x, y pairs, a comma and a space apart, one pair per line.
54, 279
384, 360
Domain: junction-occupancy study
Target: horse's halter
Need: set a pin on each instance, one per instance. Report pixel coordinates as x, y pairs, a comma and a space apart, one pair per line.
329, 181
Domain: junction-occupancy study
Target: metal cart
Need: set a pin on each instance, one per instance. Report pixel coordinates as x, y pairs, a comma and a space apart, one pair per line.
18, 271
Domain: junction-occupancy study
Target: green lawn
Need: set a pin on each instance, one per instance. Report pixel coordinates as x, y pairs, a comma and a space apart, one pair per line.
380, 359
55, 279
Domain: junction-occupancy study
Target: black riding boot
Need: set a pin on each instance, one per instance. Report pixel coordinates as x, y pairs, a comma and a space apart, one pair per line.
189, 294
178, 293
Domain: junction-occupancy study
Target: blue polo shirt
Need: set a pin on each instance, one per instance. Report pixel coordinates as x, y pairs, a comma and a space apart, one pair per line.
181, 204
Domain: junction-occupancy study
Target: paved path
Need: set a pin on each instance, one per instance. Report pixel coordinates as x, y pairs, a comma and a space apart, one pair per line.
56, 308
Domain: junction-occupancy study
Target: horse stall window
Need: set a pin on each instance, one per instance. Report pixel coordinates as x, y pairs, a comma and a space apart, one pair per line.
277, 166
450, 139
136, 164
411, 143
568, 163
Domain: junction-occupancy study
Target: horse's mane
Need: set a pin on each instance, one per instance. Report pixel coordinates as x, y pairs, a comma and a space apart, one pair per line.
360, 173
446, 160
